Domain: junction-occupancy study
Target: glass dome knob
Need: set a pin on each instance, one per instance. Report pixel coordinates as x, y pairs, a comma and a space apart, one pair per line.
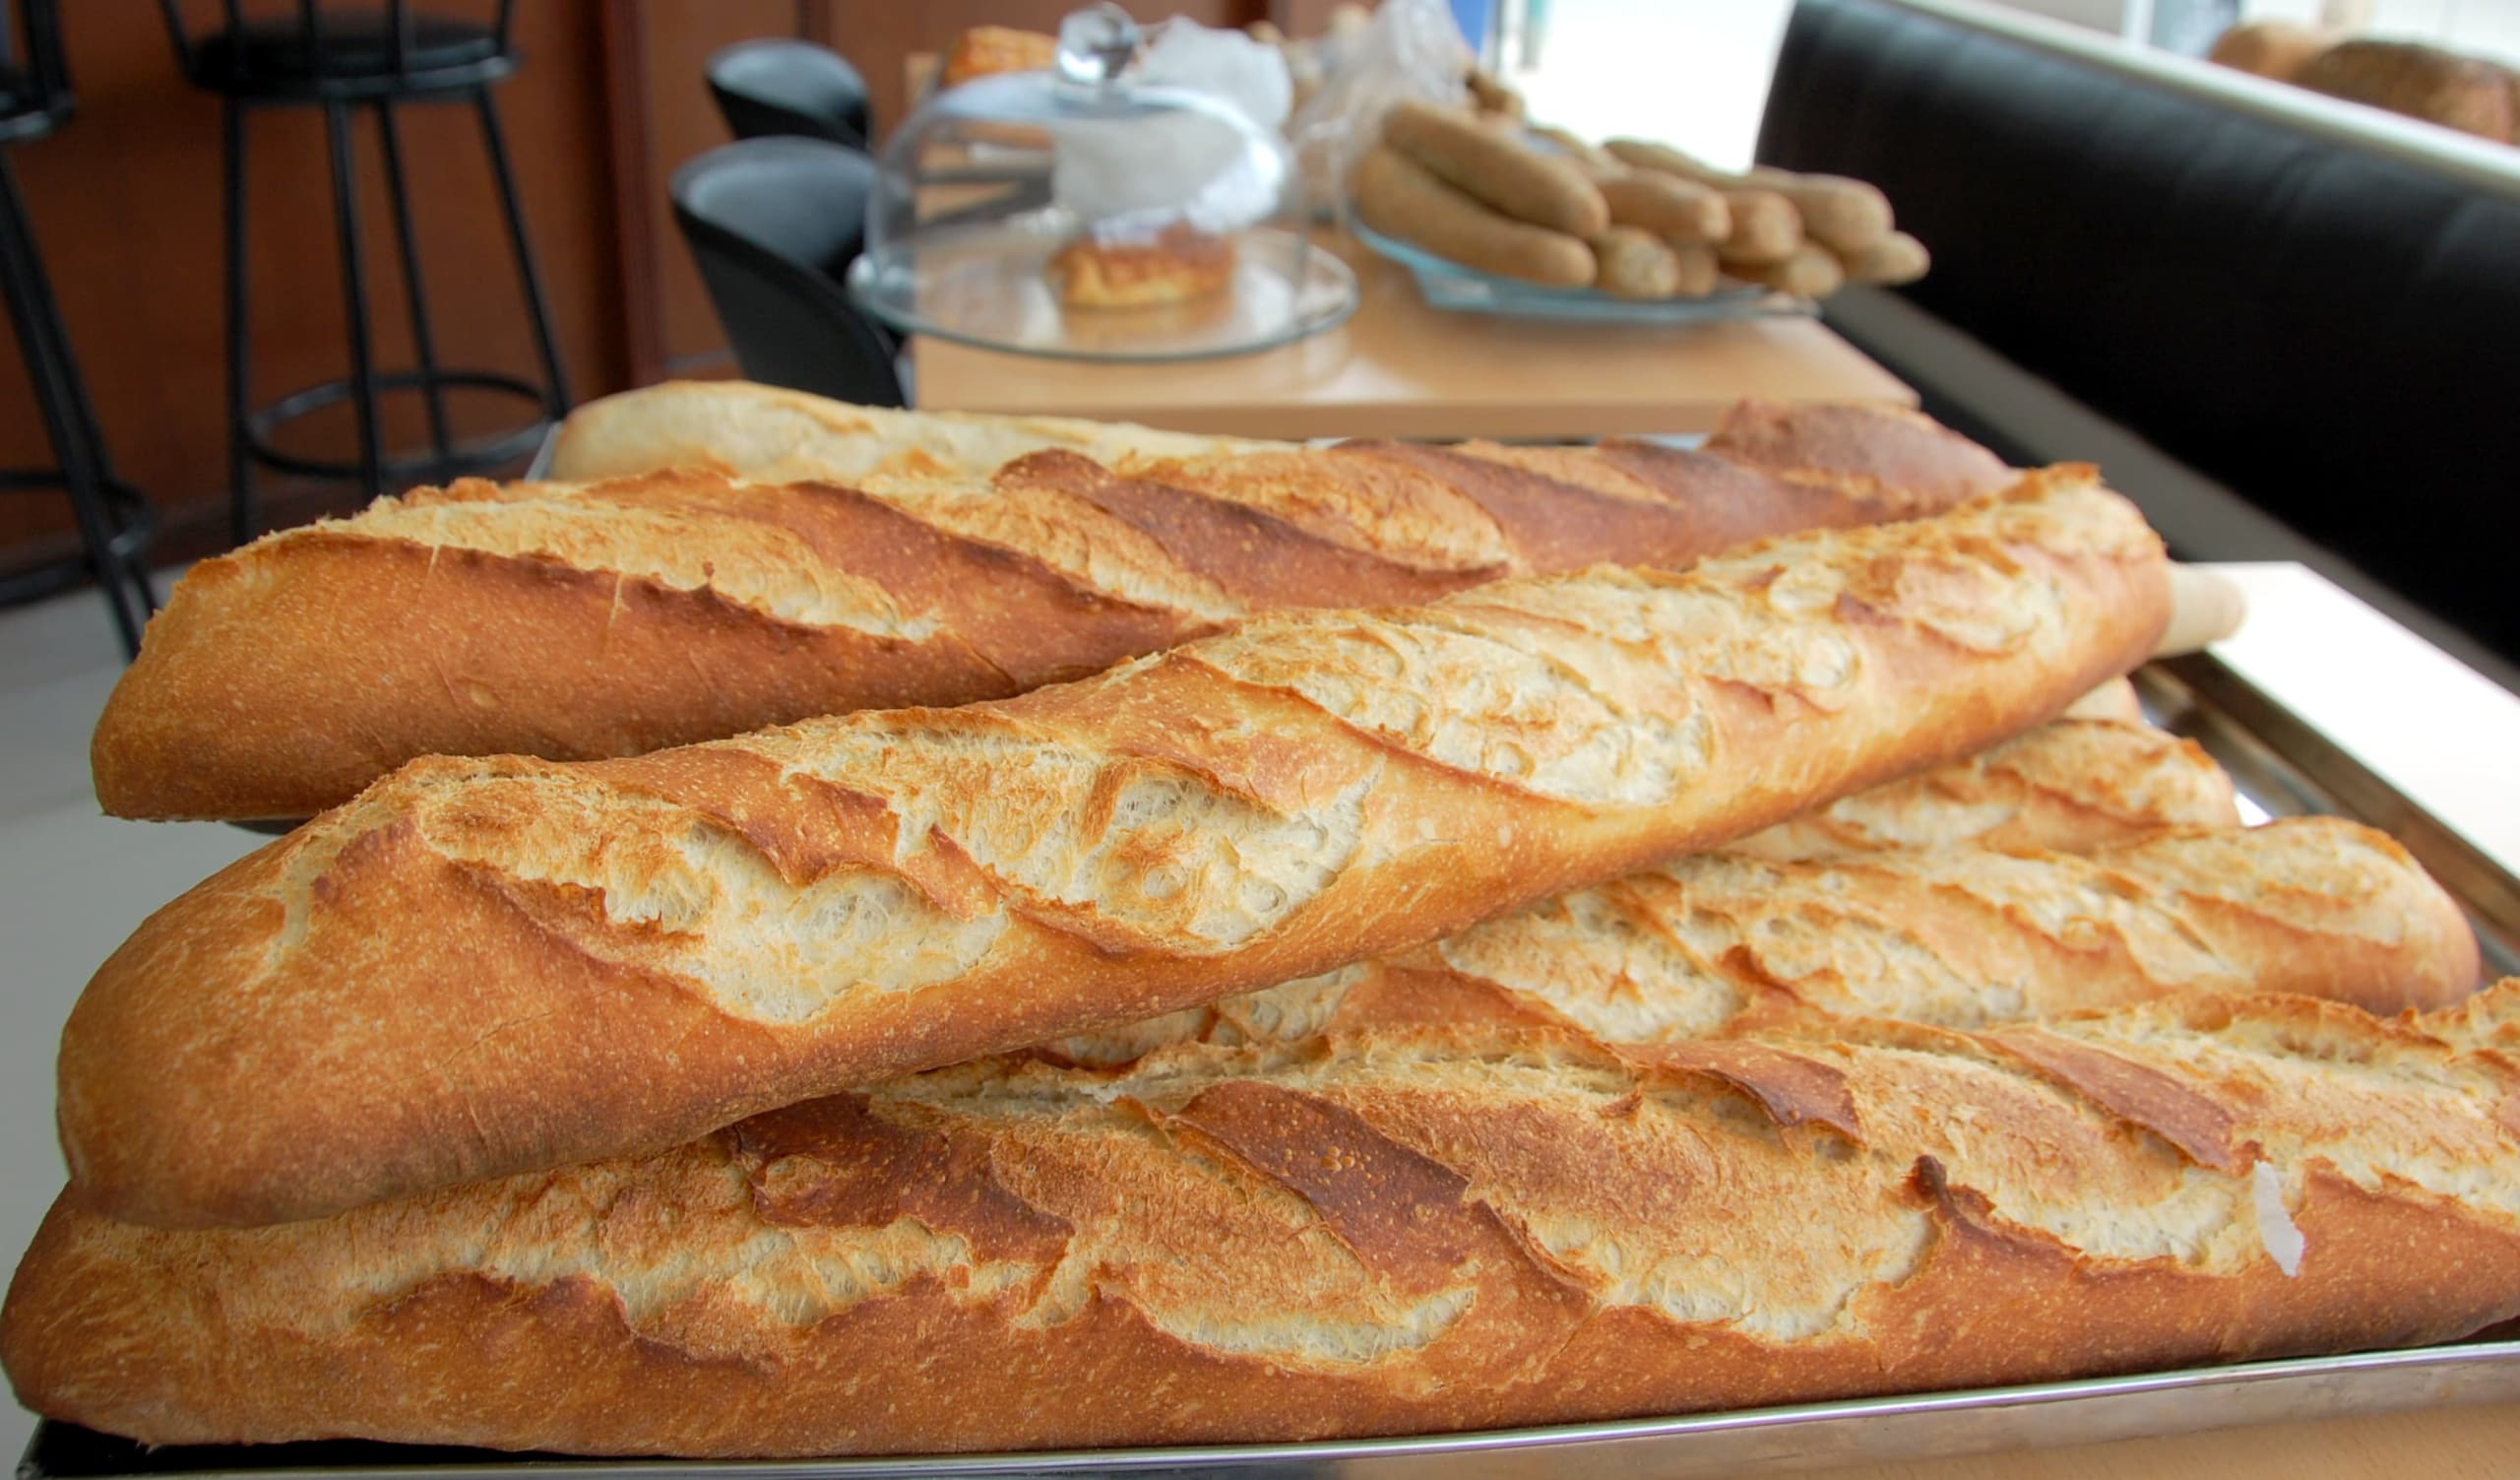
1097, 45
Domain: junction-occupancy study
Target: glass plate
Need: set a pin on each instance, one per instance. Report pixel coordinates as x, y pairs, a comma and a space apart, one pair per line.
988, 290
1463, 290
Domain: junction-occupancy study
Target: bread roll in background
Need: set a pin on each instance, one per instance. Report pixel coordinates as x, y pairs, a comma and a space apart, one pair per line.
1396, 1233
2272, 49
2463, 93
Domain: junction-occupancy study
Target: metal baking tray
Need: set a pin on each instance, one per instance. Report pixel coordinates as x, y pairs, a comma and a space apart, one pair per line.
2280, 766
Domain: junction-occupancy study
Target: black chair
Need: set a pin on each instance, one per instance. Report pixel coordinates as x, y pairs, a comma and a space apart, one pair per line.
773, 223
114, 520
340, 61
780, 87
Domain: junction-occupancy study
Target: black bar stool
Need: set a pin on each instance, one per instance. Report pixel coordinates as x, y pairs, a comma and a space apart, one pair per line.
114, 520
342, 61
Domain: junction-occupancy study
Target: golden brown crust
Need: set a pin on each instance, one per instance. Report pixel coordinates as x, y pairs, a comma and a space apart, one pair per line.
1181, 265
483, 966
1391, 1233
991, 50
1953, 936
2076, 785
1878, 451
577, 622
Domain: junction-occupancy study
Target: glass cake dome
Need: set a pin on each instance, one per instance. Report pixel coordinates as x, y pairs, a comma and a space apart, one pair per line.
1129, 204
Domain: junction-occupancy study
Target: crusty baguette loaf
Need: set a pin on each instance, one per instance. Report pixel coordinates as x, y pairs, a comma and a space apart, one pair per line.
1880, 451
2080, 783
774, 436
485, 966
768, 434
1720, 944
1391, 1234
619, 618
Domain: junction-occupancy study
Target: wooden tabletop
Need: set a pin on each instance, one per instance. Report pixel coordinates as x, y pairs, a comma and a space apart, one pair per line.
1402, 370
2433, 1444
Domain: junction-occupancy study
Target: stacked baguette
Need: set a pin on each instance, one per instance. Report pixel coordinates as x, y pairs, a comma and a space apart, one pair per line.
468, 971
1390, 1233
834, 558
1582, 994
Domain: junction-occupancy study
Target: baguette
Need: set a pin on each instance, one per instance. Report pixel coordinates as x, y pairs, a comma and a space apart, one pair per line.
2073, 786
487, 966
1855, 451
774, 435
625, 616
1402, 199
1964, 936
1391, 1234
1495, 168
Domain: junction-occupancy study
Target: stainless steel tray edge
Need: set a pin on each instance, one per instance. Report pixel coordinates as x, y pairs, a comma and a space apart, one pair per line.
1805, 1436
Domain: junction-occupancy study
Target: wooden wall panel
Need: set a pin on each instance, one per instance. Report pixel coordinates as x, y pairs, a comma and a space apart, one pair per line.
126, 205
682, 120
879, 36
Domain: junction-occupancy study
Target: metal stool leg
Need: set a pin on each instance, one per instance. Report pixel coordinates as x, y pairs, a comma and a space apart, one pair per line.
58, 398
371, 454
556, 385
432, 394
243, 513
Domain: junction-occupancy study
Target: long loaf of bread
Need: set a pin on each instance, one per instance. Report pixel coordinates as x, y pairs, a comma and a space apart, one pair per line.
582, 621
1720, 944
774, 436
485, 966
1387, 1234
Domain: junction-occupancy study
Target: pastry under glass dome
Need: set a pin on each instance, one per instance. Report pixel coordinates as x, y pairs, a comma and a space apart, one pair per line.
1086, 213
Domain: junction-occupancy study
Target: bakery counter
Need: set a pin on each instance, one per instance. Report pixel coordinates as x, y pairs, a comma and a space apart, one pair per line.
1400, 368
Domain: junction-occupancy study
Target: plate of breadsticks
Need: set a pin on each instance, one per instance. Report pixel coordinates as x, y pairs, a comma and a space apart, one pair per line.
1495, 215
882, 940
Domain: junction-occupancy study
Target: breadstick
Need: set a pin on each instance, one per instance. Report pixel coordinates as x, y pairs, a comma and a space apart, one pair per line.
1809, 270
1635, 264
1700, 271
1765, 227
1496, 169
1845, 214
1895, 259
1398, 197
1681, 212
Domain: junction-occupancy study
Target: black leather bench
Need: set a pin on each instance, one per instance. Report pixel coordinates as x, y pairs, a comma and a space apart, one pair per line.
2327, 327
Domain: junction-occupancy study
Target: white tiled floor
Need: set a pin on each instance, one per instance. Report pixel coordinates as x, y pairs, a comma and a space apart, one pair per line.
73, 884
